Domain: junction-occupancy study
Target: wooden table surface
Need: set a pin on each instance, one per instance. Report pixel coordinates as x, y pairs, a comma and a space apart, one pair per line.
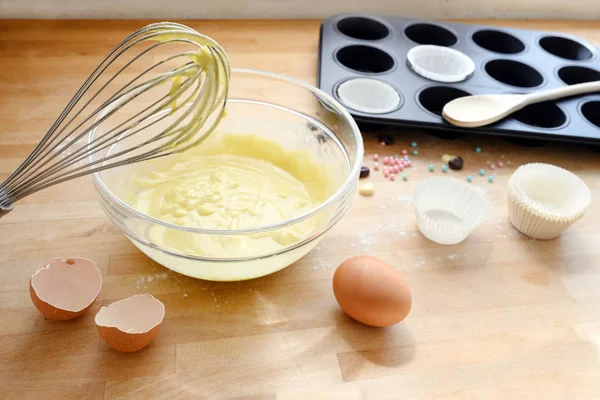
499, 316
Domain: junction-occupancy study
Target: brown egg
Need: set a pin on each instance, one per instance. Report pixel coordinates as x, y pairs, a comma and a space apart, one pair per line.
65, 289
371, 291
130, 324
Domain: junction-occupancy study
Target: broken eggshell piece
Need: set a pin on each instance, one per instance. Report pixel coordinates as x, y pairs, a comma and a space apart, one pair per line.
130, 324
64, 289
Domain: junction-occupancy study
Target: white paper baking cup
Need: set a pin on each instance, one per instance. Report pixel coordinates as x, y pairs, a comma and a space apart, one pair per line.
369, 95
544, 200
439, 63
447, 209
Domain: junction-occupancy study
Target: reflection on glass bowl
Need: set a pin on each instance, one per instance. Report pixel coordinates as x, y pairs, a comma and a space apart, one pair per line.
320, 145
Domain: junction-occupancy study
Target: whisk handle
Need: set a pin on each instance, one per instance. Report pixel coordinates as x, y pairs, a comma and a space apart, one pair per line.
5, 210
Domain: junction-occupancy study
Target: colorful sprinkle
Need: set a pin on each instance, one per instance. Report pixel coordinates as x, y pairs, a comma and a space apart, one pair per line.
365, 190
405, 177
500, 164
376, 166
477, 149
386, 173
375, 157
492, 166
364, 171
444, 168
413, 144
396, 169
469, 178
415, 152
482, 172
490, 179
456, 163
431, 167
404, 152
392, 177
386, 160
382, 143
409, 163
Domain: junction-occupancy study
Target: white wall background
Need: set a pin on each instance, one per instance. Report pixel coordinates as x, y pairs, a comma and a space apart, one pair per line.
270, 9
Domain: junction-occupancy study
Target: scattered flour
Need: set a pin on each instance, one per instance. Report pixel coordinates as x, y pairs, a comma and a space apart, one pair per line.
507, 230
143, 281
321, 265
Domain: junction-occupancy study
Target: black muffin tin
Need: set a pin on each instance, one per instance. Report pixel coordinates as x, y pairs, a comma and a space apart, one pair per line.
506, 60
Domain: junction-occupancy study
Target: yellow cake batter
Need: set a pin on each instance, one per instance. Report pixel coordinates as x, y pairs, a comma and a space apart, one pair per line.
231, 182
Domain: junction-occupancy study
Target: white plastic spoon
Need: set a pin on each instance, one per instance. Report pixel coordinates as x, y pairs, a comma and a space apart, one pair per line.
480, 110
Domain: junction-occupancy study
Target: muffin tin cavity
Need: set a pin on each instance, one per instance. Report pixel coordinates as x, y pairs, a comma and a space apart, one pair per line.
498, 41
514, 73
591, 112
565, 48
369, 95
542, 115
363, 28
439, 63
430, 34
434, 98
370, 64
572, 75
365, 59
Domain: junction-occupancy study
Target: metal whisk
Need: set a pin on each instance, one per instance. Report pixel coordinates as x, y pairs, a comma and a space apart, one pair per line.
160, 91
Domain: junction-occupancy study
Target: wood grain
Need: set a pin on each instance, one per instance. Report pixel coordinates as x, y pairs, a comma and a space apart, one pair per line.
499, 316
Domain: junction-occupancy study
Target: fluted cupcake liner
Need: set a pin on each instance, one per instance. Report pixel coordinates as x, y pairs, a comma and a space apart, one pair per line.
544, 200
439, 63
369, 95
447, 209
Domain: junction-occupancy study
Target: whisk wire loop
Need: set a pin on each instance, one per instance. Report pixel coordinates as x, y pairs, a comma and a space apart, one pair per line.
105, 127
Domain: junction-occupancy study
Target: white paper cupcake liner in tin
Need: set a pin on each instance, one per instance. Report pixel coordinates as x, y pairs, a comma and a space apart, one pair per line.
544, 200
439, 63
447, 209
369, 95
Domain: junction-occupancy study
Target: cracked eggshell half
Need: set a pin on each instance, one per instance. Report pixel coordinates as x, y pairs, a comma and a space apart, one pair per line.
130, 324
64, 289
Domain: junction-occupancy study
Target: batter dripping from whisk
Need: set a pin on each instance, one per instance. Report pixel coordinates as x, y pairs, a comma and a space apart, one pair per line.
120, 104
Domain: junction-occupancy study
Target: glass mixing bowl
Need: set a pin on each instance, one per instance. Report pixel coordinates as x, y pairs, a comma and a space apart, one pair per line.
293, 114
